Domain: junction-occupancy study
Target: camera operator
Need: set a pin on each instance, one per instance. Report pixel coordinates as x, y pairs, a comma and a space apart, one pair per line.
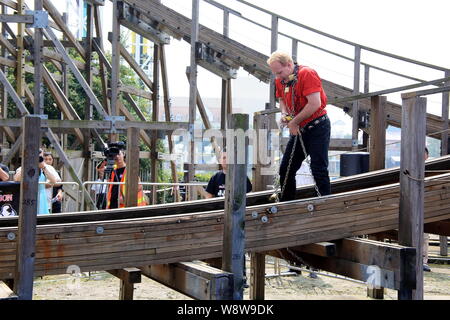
115, 197
46, 174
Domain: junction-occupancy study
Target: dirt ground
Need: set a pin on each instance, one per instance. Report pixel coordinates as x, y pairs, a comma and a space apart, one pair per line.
103, 286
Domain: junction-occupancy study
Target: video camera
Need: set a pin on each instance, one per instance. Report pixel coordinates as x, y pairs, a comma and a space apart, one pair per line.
110, 153
113, 150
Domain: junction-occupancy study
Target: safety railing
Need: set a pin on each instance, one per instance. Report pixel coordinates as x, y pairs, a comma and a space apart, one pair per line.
141, 183
63, 183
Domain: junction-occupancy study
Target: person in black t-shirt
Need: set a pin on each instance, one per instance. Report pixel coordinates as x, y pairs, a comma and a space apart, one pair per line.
216, 185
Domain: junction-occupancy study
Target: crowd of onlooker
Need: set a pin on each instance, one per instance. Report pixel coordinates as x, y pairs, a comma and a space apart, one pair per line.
50, 191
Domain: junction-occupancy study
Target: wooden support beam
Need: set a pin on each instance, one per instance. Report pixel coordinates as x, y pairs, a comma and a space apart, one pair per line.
57, 17
377, 133
132, 179
323, 249
412, 167
155, 117
136, 67
235, 202
441, 228
49, 33
128, 277
194, 279
99, 42
257, 275
38, 66
193, 90
28, 208
168, 114
355, 108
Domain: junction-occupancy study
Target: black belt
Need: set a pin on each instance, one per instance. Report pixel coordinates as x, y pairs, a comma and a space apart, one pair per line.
313, 123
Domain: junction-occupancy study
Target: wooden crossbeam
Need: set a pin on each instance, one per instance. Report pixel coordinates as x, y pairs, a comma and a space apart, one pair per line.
323, 249
128, 277
193, 279
441, 228
357, 258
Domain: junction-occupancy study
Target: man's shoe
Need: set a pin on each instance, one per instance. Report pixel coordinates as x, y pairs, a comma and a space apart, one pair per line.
426, 268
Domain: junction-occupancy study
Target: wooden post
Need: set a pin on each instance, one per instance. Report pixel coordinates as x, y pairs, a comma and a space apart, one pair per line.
155, 115
193, 93
443, 245
38, 65
377, 133
168, 113
412, 188
28, 207
257, 275
132, 178
355, 108
235, 202
128, 277
377, 151
273, 47
115, 64
88, 113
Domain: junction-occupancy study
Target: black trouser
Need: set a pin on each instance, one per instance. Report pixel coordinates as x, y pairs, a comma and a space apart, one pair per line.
316, 140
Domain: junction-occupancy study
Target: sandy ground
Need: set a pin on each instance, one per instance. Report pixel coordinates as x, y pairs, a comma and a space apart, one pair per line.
103, 286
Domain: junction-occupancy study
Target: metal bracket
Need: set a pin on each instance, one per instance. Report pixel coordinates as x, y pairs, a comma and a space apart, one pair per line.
113, 120
209, 59
40, 19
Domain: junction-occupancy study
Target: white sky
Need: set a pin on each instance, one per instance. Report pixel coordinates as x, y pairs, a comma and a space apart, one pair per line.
406, 28
415, 29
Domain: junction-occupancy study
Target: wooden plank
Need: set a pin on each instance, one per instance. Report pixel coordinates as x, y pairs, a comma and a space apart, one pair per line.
25, 252
193, 279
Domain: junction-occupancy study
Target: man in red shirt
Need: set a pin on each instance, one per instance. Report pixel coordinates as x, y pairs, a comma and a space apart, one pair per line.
302, 103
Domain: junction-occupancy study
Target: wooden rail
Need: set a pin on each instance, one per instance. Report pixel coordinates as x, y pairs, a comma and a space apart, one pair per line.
106, 245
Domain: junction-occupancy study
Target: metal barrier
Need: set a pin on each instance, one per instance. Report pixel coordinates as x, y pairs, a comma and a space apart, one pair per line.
141, 183
68, 183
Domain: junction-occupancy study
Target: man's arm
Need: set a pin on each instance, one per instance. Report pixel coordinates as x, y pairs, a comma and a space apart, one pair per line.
4, 176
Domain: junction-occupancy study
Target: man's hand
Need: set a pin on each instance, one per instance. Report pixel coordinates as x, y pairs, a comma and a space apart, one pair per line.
293, 127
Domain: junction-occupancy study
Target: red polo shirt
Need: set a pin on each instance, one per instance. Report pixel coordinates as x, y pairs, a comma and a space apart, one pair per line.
308, 82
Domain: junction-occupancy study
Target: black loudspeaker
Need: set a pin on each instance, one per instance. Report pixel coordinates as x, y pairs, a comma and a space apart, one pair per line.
354, 163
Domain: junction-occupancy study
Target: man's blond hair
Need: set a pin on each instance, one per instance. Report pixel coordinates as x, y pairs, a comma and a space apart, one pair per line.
280, 56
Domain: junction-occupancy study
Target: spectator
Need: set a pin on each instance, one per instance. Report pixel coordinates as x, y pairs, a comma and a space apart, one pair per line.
46, 172
4, 171
216, 185
100, 190
54, 192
